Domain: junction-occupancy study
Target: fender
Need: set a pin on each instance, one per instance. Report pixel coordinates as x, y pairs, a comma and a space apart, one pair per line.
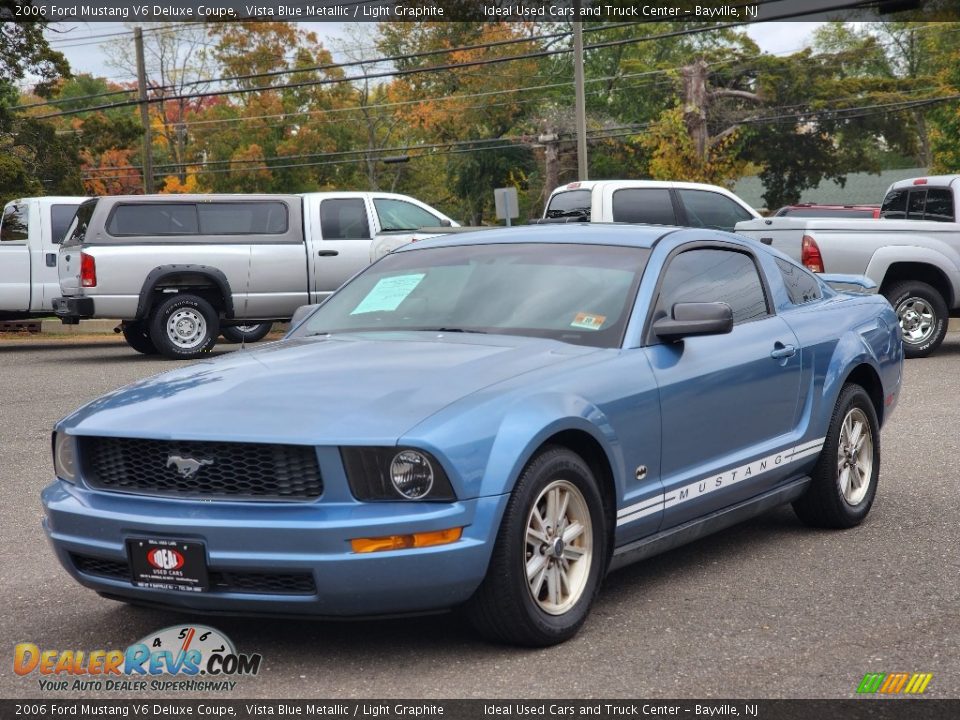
886, 256
514, 446
851, 351
159, 273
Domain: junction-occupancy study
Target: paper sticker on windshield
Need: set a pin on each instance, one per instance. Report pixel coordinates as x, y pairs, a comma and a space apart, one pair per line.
388, 293
586, 321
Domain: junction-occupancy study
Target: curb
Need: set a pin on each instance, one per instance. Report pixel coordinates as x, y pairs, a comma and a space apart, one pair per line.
52, 325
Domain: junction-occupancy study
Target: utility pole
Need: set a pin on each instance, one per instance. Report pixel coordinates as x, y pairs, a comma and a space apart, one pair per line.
144, 113
581, 103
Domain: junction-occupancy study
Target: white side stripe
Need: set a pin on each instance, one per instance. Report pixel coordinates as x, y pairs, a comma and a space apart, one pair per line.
715, 482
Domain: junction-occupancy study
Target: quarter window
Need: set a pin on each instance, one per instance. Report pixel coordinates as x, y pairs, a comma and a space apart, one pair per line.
713, 275
711, 210
15, 224
802, 286
651, 206
344, 219
401, 215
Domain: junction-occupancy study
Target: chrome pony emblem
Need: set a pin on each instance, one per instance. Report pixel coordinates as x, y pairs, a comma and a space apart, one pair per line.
187, 467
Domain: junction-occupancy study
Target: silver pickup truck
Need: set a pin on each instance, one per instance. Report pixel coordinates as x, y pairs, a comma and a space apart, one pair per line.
912, 253
178, 268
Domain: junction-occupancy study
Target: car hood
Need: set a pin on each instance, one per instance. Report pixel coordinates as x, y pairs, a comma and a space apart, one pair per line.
367, 389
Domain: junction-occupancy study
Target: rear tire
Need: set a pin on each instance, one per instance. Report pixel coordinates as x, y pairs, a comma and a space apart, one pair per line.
184, 327
549, 556
844, 480
246, 333
923, 316
137, 336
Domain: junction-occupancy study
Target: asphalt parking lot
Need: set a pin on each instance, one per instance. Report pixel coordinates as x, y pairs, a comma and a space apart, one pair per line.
766, 609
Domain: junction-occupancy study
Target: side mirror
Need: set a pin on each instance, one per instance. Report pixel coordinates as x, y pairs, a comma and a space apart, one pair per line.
446, 223
301, 313
691, 319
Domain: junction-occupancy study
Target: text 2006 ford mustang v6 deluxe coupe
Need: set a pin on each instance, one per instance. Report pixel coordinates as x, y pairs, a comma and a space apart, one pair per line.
490, 421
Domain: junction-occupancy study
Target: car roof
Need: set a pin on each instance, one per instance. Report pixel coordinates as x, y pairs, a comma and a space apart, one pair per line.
201, 198
642, 236
936, 180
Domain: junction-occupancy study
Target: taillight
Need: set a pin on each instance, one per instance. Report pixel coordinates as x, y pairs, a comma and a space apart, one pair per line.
810, 254
88, 270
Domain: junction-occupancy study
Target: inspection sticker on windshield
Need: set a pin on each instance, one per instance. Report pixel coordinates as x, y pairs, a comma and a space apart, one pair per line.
587, 321
388, 293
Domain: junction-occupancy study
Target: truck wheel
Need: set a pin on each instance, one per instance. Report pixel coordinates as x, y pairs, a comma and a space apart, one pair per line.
138, 337
245, 333
549, 556
923, 314
184, 327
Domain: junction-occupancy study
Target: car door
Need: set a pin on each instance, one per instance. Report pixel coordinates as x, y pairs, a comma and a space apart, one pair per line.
15, 258
728, 402
703, 208
344, 246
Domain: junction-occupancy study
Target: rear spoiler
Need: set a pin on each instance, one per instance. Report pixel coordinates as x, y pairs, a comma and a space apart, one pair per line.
860, 283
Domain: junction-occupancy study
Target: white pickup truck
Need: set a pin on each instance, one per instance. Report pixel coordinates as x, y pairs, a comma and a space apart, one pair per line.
176, 269
651, 202
30, 233
912, 253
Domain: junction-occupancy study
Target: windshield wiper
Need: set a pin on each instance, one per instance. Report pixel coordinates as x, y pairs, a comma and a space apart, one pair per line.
451, 330
575, 212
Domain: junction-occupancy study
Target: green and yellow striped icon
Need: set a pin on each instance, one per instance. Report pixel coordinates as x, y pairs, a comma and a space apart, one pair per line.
894, 683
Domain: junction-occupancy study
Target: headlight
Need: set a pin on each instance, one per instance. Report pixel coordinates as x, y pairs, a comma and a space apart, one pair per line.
391, 473
65, 456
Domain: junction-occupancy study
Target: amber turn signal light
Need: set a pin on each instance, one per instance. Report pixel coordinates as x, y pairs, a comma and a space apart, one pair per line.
402, 542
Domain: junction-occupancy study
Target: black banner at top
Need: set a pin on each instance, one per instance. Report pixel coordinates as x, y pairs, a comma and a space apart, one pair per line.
731, 11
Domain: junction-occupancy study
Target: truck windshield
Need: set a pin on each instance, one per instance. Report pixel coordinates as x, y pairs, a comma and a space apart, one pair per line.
81, 221
572, 203
580, 294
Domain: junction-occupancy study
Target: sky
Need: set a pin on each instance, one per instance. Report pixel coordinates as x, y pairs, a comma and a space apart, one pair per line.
86, 55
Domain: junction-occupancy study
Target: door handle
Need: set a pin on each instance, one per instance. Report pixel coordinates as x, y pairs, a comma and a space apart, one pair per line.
781, 351
328, 253
51, 259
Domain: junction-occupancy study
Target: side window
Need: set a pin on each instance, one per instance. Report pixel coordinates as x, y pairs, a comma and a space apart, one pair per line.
939, 205
344, 219
401, 215
153, 218
802, 286
15, 224
651, 206
60, 218
242, 218
711, 210
895, 205
712, 275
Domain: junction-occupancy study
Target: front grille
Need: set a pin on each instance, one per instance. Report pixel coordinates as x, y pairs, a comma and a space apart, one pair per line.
178, 468
300, 583
99, 566
268, 583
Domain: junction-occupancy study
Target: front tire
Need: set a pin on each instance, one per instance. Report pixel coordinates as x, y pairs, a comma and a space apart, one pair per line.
844, 481
246, 333
137, 335
549, 557
184, 327
923, 317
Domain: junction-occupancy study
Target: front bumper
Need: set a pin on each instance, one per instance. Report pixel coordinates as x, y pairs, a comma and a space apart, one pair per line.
72, 308
289, 559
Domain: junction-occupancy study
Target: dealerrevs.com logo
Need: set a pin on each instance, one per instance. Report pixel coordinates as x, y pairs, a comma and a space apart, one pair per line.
180, 657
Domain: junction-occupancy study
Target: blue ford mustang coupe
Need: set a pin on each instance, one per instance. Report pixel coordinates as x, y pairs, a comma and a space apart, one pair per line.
489, 421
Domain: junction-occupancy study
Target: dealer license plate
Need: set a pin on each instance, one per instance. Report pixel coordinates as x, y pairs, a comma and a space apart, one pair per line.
165, 564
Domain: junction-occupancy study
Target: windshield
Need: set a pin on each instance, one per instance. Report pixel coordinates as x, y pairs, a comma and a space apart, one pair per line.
581, 294
572, 203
